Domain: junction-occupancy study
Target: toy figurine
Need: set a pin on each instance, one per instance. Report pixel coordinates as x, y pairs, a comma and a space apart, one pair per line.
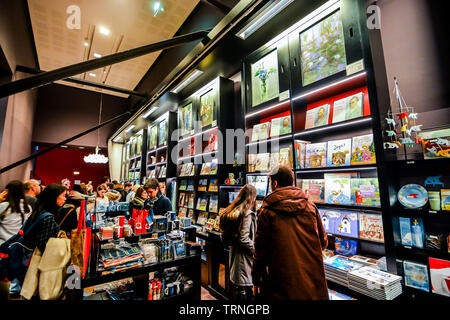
413, 116
231, 178
402, 115
390, 145
391, 121
406, 140
416, 128
391, 133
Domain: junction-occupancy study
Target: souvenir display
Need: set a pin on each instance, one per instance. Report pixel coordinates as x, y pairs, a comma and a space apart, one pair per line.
264, 79
413, 196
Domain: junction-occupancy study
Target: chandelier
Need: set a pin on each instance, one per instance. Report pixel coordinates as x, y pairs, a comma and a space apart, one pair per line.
96, 157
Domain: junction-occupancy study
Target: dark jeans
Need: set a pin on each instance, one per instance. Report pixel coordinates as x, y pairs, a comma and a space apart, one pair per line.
241, 293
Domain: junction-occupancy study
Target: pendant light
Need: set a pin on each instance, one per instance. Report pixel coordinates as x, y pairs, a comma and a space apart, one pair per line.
96, 157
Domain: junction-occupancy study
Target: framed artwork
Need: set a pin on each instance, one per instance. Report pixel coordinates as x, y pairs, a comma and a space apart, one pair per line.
185, 121
162, 133
153, 137
133, 147
139, 144
207, 105
264, 79
322, 49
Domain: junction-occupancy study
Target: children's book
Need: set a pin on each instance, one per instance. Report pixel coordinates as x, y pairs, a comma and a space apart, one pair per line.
347, 224
252, 162
440, 276
202, 202
275, 126
416, 275
316, 155
338, 153
285, 158
338, 188
363, 150
183, 185
182, 212
262, 162
274, 160
191, 201
328, 219
213, 185
202, 217
317, 117
213, 203
202, 184
300, 153
345, 247
255, 132
365, 192
405, 231
263, 132
348, 108
280, 126
445, 199
371, 227
181, 200
213, 167
190, 185
314, 189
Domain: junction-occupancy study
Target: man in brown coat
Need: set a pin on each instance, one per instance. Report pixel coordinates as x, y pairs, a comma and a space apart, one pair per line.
289, 242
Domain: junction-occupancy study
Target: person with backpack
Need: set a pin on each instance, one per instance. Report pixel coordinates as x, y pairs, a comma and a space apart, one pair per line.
238, 224
13, 213
288, 262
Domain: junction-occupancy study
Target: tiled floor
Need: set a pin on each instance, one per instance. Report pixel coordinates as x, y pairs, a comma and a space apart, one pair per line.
206, 295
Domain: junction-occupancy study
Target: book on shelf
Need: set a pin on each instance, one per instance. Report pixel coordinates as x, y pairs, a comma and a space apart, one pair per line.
202, 202
202, 218
190, 185
212, 142
280, 126
417, 233
191, 201
202, 184
364, 260
338, 188
371, 227
316, 155
213, 185
262, 162
213, 167
314, 189
365, 192
190, 213
329, 218
347, 224
348, 108
363, 150
405, 231
435, 144
440, 276
181, 199
260, 183
416, 275
182, 212
205, 169
445, 199
213, 203
274, 160
285, 158
300, 153
338, 153
263, 132
255, 132
317, 117
345, 247
183, 184
252, 162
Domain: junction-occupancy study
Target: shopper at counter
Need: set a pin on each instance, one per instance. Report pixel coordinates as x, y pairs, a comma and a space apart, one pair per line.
32, 190
139, 199
238, 224
289, 243
132, 193
156, 201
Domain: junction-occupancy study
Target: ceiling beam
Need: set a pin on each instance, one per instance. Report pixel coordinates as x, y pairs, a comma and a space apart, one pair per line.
85, 82
219, 5
78, 68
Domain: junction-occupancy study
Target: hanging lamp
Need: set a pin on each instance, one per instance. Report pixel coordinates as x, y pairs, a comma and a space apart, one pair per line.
96, 157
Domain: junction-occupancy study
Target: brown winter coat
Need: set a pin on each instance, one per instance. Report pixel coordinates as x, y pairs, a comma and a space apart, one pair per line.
289, 241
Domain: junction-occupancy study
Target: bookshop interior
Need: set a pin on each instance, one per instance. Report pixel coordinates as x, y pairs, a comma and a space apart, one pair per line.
224, 150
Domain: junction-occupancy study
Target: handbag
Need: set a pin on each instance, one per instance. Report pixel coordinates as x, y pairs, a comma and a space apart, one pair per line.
31, 282
81, 242
53, 267
139, 221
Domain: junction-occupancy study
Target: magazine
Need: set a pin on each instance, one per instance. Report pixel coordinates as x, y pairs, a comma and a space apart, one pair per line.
213, 203
202, 184
213, 185
202, 202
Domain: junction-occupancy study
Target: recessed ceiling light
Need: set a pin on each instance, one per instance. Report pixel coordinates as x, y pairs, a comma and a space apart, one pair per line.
157, 7
76, 173
86, 44
92, 74
97, 55
104, 31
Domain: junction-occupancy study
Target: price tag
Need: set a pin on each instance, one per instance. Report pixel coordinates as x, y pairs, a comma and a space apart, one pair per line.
284, 95
355, 67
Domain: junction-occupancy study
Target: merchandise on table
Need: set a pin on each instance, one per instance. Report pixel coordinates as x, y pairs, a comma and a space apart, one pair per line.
375, 283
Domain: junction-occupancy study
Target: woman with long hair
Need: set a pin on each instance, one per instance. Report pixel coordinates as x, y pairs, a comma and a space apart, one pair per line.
139, 199
238, 224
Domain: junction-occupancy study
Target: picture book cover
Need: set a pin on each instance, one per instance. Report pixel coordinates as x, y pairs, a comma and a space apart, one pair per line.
255, 132
260, 183
212, 142
436, 143
213, 203
417, 233
190, 214
347, 224
190, 185
416, 275
202, 184
445, 199
405, 231
264, 78
182, 212
363, 150
440, 276
252, 162
275, 126
285, 158
183, 185
205, 169
274, 160
345, 247
188, 169
328, 218
162, 133
213, 185
314, 189
207, 104
365, 192
371, 227
316, 155
202, 202
213, 167
185, 119
338, 188
202, 218
181, 199
280, 126
322, 49
262, 162
317, 117
153, 137
300, 153
338, 153
263, 131
348, 108
191, 201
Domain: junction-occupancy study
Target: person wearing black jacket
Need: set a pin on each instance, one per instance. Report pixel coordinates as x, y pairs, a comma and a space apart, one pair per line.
156, 201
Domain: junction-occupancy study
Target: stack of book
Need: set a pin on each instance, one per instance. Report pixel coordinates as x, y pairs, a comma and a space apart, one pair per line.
337, 268
375, 283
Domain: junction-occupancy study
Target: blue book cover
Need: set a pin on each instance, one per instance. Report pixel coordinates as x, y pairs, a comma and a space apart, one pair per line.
345, 247
417, 233
190, 185
339, 152
327, 221
405, 231
347, 224
416, 275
